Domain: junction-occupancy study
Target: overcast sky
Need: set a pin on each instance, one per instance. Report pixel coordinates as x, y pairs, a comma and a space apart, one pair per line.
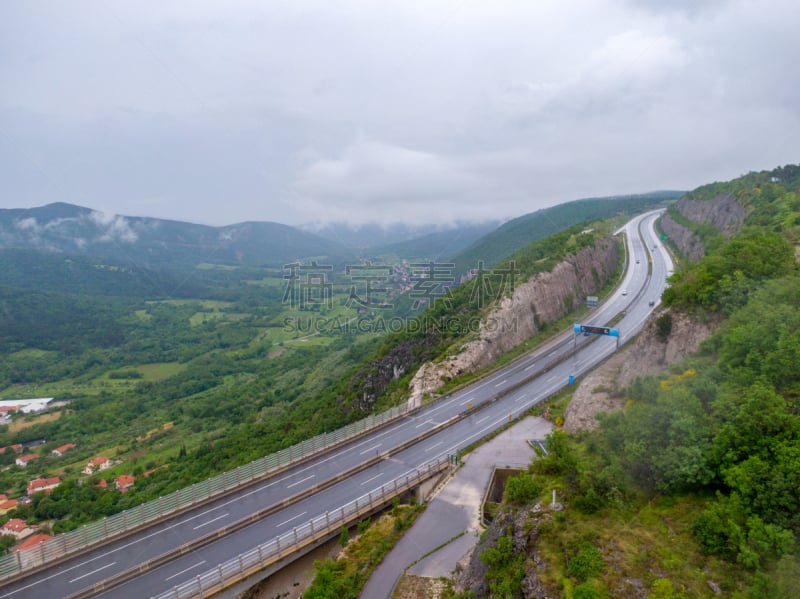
414, 111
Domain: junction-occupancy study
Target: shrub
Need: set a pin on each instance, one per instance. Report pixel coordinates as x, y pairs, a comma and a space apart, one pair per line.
522, 489
587, 564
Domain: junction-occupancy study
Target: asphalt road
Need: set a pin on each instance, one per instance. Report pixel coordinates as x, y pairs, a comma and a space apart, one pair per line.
522, 384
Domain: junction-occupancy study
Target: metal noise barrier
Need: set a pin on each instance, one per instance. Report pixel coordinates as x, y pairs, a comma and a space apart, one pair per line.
100, 531
274, 550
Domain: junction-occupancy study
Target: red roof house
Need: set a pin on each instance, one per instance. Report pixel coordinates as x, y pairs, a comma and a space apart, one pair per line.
59, 451
31, 541
98, 465
23, 460
124, 482
8, 504
18, 528
43, 484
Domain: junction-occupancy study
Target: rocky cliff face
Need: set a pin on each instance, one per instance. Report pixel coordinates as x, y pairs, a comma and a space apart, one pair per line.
653, 352
370, 382
722, 211
687, 242
667, 337
546, 297
523, 526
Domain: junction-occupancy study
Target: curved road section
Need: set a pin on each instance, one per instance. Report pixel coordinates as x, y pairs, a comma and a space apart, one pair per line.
198, 538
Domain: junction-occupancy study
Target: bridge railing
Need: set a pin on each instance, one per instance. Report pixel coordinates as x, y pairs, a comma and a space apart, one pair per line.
100, 531
254, 560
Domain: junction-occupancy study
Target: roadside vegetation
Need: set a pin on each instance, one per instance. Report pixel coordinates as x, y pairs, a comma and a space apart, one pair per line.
693, 490
344, 576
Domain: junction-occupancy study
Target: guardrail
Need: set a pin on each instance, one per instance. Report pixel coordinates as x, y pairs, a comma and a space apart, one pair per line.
99, 532
248, 563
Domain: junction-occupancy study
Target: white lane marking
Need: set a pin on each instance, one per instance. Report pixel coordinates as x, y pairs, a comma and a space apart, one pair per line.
290, 519
482, 419
428, 421
93, 572
527, 368
369, 480
210, 521
370, 449
434, 446
500, 383
185, 570
302, 480
520, 398
552, 378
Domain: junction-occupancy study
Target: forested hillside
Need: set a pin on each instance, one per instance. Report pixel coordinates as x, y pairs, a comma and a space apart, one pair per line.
519, 232
694, 488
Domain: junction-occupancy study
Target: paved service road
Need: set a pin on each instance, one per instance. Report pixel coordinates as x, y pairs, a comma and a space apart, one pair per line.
522, 384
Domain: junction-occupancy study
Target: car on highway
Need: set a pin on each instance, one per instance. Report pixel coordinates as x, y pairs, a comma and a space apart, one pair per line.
624, 292
652, 302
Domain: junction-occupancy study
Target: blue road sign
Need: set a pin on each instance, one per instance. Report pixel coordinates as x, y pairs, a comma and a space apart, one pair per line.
593, 330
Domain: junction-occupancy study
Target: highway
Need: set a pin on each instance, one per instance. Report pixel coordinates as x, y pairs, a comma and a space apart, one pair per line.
508, 392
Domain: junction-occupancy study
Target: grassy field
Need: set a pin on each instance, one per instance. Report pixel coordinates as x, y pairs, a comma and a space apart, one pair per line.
32, 419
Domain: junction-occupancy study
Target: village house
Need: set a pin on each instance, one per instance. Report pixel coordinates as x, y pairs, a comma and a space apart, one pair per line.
17, 528
17, 447
7, 505
43, 484
98, 465
31, 541
23, 460
124, 482
59, 451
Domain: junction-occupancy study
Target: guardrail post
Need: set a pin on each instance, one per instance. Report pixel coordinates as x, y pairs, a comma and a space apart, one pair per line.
294, 530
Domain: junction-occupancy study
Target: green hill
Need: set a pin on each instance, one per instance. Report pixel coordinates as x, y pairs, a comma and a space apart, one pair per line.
519, 232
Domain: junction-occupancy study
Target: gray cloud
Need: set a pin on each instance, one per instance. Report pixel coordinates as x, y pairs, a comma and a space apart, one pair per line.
394, 111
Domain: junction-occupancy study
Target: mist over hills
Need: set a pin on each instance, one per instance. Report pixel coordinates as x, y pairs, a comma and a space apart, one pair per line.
152, 242
443, 239
69, 248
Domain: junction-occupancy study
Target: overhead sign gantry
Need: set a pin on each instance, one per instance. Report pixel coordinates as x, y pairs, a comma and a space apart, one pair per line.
593, 330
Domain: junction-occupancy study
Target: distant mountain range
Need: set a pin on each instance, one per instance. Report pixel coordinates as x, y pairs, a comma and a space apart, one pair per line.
71, 248
152, 242
372, 235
